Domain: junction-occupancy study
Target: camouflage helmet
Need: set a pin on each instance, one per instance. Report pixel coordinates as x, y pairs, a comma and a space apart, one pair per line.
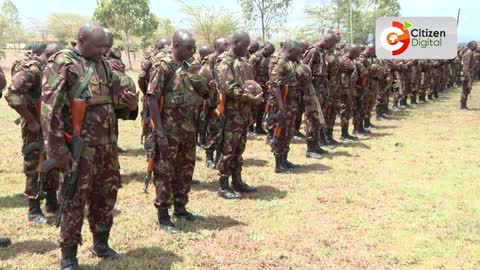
252, 87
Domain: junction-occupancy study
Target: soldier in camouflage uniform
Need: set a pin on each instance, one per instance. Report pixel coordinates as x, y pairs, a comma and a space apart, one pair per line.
301, 104
161, 48
231, 73
98, 168
368, 61
398, 83
175, 93
415, 80
284, 73
315, 58
381, 106
220, 46
4, 241
203, 52
252, 49
469, 64
333, 81
259, 61
24, 95
349, 77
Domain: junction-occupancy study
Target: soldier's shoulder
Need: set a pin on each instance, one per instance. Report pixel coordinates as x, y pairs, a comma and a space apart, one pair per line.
225, 58
65, 57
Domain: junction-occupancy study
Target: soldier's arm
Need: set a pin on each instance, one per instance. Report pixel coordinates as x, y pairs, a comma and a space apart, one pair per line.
155, 92
467, 63
278, 78
309, 58
130, 99
22, 82
58, 77
226, 81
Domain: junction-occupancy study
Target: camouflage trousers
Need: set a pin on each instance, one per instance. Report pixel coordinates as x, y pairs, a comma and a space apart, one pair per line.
466, 88
174, 170
332, 107
259, 110
97, 186
30, 166
282, 146
382, 97
348, 105
233, 146
312, 126
300, 111
211, 132
370, 97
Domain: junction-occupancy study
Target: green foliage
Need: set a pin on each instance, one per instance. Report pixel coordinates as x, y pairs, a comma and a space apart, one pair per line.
10, 25
128, 17
64, 26
208, 23
336, 14
271, 14
165, 29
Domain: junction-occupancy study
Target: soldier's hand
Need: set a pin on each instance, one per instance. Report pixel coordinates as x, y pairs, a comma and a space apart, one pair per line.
33, 126
212, 84
130, 99
161, 141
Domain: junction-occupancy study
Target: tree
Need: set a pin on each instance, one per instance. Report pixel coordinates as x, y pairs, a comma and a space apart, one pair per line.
165, 29
64, 26
130, 17
11, 21
40, 26
355, 17
209, 23
271, 13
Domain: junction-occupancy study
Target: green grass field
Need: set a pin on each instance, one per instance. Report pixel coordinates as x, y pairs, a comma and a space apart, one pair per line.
406, 197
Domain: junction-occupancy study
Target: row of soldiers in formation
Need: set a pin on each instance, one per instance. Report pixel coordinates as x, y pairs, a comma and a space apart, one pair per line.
237, 88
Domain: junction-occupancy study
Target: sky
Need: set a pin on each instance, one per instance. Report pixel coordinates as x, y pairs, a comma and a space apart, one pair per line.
468, 26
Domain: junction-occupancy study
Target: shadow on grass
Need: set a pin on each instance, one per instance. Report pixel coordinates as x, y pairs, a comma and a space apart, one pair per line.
141, 258
331, 154
211, 223
252, 162
265, 193
13, 201
134, 176
355, 144
30, 246
314, 167
377, 135
210, 186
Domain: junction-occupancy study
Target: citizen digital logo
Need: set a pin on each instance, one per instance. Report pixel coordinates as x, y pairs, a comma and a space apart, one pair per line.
416, 37
427, 33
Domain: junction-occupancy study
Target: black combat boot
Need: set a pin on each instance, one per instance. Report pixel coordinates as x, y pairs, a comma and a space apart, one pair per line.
165, 222
299, 134
413, 99
347, 137
269, 139
463, 105
69, 259
380, 116
368, 124
180, 212
435, 94
259, 130
430, 97
313, 150
323, 137
287, 164
51, 203
330, 139
225, 191
209, 160
5, 242
403, 103
239, 186
421, 98
280, 166
35, 214
395, 107
101, 248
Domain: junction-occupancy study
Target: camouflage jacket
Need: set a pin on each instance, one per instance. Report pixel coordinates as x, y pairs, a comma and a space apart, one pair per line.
231, 72
26, 87
182, 91
332, 61
348, 73
260, 65
314, 57
62, 78
284, 73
